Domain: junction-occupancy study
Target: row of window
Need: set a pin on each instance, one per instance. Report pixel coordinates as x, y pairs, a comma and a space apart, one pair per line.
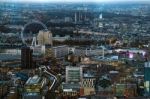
70, 93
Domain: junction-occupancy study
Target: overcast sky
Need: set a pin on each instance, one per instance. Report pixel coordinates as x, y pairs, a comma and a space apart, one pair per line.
74, 0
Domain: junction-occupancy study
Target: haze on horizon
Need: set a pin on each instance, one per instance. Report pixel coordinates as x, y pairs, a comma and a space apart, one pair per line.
40, 1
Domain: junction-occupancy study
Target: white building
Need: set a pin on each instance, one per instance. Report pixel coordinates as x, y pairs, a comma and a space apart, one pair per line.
60, 51
82, 51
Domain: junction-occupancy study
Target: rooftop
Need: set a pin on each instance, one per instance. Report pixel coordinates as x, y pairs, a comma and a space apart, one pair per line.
33, 80
9, 57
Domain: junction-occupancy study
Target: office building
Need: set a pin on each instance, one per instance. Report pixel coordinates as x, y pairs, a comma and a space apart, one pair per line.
73, 74
60, 51
147, 78
44, 37
26, 57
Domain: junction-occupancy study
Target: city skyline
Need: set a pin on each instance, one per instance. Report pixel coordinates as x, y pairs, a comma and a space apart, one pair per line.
74, 49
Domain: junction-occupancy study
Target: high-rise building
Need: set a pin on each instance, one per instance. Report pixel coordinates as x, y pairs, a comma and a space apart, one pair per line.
79, 16
44, 37
75, 17
147, 78
73, 74
101, 16
26, 57
100, 24
73, 81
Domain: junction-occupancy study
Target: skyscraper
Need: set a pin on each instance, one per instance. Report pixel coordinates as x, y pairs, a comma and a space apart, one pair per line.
26, 57
75, 17
147, 78
101, 16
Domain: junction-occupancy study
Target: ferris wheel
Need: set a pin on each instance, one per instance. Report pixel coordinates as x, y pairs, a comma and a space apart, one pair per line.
30, 31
